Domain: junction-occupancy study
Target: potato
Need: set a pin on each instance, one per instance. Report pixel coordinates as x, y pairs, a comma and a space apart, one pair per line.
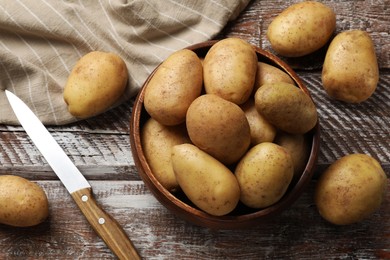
287, 107
299, 147
261, 130
218, 127
94, 85
270, 74
350, 72
229, 70
173, 87
264, 174
206, 182
157, 142
301, 29
351, 189
23, 203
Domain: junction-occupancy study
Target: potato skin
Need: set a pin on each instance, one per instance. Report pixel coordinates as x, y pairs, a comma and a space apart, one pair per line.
95, 83
351, 189
264, 174
350, 72
229, 70
157, 142
208, 183
270, 74
23, 203
301, 29
218, 127
286, 107
173, 87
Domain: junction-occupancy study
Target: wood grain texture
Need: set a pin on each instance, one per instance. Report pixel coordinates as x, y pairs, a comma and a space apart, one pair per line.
100, 147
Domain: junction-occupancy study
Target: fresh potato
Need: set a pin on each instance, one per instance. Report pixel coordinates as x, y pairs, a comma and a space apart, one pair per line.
218, 127
301, 29
350, 72
270, 74
96, 82
157, 142
229, 70
351, 189
207, 183
22, 203
298, 146
287, 107
264, 174
173, 87
261, 130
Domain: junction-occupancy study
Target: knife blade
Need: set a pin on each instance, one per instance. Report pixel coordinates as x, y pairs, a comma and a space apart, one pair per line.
73, 180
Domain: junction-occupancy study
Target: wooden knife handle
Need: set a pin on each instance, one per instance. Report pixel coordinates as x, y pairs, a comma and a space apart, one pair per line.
105, 226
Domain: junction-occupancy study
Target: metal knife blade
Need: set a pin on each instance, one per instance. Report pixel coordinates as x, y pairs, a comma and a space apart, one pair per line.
79, 188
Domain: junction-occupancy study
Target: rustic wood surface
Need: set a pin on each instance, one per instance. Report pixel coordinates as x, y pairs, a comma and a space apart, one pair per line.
100, 147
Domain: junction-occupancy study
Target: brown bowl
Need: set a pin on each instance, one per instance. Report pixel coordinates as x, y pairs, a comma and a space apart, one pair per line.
242, 216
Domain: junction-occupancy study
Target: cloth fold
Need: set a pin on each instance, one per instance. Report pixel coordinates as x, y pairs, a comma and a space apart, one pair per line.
41, 40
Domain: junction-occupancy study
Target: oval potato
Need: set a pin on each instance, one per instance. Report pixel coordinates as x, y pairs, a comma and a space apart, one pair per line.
218, 127
270, 74
301, 29
229, 70
209, 184
350, 72
264, 174
173, 87
287, 107
95, 84
23, 203
157, 142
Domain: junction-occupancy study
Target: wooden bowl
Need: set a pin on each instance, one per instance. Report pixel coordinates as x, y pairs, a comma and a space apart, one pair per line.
242, 216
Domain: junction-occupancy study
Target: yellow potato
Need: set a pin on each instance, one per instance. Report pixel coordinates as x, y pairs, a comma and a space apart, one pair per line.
95, 84
350, 72
206, 182
261, 130
301, 29
287, 107
270, 74
229, 70
351, 189
157, 142
264, 174
173, 87
218, 127
22, 203
298, 146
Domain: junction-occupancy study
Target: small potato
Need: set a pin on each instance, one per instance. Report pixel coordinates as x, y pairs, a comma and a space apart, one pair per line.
299, 148
351, 189
96, 82
350, 72
218, 127
157, 142
229, 70
206, 182
301, 29
173, 87
22, 203
287, 107
264, 174
261, 130
270, 74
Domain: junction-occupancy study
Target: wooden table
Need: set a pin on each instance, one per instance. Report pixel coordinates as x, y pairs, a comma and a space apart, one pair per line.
100, 147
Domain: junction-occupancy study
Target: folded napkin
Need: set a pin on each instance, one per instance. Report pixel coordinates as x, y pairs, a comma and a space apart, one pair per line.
41, 40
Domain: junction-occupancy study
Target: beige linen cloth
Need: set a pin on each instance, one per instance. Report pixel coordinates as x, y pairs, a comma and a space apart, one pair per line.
41, 40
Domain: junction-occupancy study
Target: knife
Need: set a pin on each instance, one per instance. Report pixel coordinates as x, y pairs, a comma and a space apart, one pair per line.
78, 187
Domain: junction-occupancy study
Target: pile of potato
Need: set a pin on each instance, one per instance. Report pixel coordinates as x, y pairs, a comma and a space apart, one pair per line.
226, 128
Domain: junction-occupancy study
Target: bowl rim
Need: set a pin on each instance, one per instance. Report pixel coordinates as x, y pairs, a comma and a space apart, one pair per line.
193, 214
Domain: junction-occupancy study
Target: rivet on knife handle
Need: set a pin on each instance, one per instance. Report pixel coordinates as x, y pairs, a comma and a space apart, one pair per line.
105, 226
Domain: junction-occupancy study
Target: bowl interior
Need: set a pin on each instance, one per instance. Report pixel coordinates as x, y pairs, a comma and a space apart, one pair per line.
178, 203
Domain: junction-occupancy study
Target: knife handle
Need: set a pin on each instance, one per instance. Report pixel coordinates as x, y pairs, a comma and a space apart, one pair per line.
104, 225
